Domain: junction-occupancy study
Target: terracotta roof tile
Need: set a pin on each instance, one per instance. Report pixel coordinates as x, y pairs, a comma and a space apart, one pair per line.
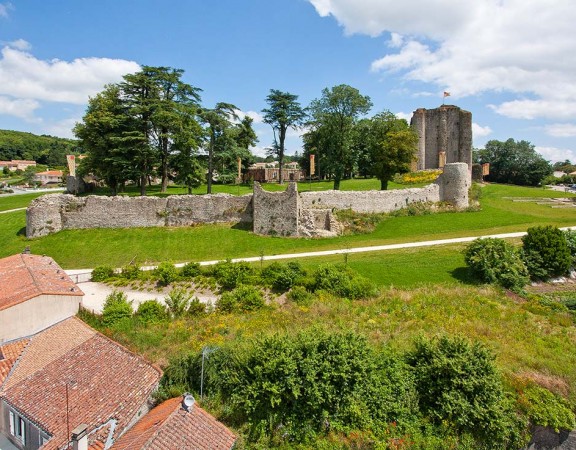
170, 426
9, 353
105, 381
26, 276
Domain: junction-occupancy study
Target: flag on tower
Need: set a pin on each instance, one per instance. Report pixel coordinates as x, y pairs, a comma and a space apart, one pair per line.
446, 94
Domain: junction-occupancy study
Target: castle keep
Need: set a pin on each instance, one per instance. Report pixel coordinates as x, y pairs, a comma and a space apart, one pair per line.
445, 136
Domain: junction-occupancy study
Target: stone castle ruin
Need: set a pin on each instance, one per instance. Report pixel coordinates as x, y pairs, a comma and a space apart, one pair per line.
445, 136
288, 213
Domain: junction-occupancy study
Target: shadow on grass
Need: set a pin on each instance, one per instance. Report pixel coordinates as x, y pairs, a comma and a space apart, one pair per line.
244, 226
21, 232
463, 275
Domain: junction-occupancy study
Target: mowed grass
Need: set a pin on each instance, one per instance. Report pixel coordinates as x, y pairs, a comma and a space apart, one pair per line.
8, 202
117, 247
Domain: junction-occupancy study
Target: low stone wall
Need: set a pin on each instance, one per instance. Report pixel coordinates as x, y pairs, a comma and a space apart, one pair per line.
272, 213
56, 212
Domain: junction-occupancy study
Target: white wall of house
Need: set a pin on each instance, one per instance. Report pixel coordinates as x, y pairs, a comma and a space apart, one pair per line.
36, 314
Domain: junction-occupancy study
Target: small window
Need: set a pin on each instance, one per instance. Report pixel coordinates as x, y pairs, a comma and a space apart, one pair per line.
18, 427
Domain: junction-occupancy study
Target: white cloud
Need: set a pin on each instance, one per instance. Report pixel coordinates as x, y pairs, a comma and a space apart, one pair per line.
23, 76
20, 44
561, 129
513, 46
478, 131
22, 108
556, 154
255, 116
4, 8
62, 128
406, 116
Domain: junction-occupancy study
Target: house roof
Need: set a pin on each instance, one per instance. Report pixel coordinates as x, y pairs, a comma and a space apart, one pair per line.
70, 374
9, 353
25, 276
170, 426
55, 173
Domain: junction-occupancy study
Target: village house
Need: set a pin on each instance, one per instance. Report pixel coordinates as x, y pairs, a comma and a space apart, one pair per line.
17, 164
35, 294
270, 172
49, 177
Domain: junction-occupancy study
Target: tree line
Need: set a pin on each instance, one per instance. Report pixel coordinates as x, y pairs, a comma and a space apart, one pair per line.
44, 149
152, 124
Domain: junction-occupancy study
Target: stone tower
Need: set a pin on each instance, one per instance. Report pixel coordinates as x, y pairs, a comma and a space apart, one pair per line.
445, 136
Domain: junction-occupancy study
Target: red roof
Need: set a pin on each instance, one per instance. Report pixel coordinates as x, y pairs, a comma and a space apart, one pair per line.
170, 426
24, 276
106, 383
56, 173
9, 353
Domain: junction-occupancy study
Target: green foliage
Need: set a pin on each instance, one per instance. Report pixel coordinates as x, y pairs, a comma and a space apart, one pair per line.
459, 387
281, 277
546, 252
545, 408
291, 388
49, 150
196, 307
243, 298
131, 272
102, 273
166, 273
151, 311
116, 307
300, 296
342, 281
229, 274
358, 223
515, 162
190, 270
570, 236
496, 261
177, 302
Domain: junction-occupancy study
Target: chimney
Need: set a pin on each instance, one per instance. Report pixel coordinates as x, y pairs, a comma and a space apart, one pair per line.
188, 402
80, 437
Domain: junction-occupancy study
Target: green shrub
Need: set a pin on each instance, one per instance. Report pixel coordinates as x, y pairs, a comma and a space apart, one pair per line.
190, 270
546, 252
196, 307
102, 273
165, 273
300, 296
546, 409
151, 311
281, 277
570, 236
459, 388
496, 261
131, 272
116, 307
177, 302
229, 274
342, 281
241, 299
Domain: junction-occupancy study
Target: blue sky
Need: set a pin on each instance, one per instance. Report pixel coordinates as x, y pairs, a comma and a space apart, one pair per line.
509, 62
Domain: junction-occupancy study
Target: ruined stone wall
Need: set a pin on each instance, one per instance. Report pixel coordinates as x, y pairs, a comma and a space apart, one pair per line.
445, 129
56, 212
276, 213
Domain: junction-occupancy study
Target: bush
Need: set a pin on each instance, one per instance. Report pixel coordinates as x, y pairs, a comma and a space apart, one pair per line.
151, 311
229, 274
102, 273
342, 281
570, 236
282, 277
546, 409
177, 302
241, 299
496, 261
116, 307
459, 387
131, 271
546, 252
190, 270
166, 273
196, 307
300, 296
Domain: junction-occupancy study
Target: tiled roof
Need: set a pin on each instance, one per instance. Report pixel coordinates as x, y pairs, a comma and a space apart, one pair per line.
170, 427
24, 276
9, 353
56, 173
104, 381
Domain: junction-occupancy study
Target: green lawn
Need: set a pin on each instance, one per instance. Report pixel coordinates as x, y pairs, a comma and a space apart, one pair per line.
116, 247
17, 201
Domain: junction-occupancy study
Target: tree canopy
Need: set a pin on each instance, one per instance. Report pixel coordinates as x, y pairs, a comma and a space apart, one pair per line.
514, 162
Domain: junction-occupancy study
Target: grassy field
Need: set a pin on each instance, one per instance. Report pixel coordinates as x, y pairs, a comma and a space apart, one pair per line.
17, 201
117, 247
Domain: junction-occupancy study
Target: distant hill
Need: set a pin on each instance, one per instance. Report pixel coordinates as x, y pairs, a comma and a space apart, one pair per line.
44, 149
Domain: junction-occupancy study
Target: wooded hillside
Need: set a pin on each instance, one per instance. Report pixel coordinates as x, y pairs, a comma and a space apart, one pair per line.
44, 149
